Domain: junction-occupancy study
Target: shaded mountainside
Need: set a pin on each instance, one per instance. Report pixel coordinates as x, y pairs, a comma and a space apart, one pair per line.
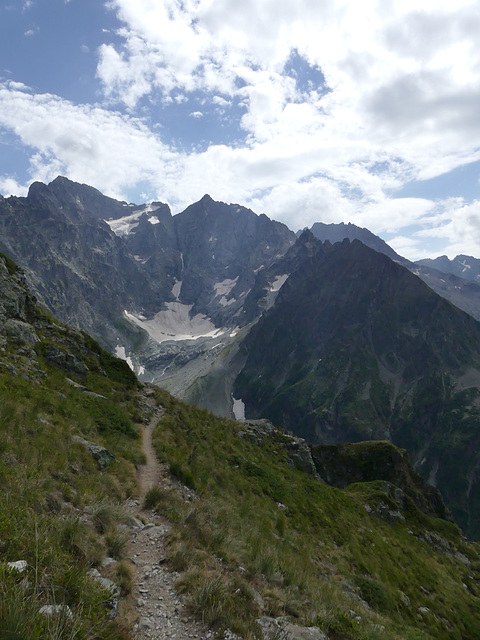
261, 546
356, 348
456, 280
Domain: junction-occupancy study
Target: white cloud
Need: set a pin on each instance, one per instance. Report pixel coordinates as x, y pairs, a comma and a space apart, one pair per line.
458, 226
403, 79
86, 143
10, 186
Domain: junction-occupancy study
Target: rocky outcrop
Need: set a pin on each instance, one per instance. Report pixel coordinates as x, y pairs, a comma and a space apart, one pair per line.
101, 455
343, 464
275, 628
31, 339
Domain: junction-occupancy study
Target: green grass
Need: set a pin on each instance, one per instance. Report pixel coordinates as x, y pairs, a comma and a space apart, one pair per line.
310, 551
44, 479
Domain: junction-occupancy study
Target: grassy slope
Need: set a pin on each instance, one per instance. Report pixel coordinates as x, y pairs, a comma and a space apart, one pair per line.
259, 537
58, 510
260, 527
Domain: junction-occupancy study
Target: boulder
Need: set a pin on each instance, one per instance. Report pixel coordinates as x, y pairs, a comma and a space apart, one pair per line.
101, 455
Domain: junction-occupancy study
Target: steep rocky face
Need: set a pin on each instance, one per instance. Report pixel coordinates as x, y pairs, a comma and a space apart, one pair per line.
30, 338
357, 348
79, 269
343, 464
153, 287
223, 246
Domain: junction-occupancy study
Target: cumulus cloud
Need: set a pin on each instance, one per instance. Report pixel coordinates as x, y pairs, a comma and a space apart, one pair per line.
402, 80
87, 143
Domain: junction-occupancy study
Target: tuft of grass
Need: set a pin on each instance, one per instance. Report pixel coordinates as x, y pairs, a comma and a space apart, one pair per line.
116, 542
208, 598
106, 514
124, 577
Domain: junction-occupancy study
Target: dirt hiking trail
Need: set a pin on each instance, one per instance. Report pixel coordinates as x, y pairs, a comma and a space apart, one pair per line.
156, 611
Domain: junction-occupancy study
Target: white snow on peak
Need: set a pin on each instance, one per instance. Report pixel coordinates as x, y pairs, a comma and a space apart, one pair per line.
177, 287
465, 265
279, 282
175, 323
124, 226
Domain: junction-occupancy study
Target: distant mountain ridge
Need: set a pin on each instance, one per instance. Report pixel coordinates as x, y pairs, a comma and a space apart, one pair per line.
337, 232
451, 280
461, 266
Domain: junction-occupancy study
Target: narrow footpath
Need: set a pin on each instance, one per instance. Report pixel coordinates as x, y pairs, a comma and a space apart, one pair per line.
158, 611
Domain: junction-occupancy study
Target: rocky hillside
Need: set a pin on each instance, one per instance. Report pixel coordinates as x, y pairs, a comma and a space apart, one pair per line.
357, 348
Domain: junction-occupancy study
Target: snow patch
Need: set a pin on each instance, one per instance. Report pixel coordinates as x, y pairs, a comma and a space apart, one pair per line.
121, 353
124, 226
176, 323
279, 282
224, 302
177, 287
223, 288
238, 409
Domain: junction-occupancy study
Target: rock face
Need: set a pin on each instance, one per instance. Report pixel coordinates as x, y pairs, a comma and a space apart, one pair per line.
28, 332
343, 464
357, 348
70, 256
89, 259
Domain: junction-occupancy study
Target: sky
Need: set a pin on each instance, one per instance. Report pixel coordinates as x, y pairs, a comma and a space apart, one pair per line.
306, 110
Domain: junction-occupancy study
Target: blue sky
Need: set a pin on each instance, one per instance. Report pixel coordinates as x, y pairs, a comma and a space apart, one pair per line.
306, 110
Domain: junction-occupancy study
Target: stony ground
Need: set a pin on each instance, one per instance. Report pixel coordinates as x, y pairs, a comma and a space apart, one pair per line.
155, 609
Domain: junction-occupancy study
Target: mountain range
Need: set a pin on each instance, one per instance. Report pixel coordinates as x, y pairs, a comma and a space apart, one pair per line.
334, 338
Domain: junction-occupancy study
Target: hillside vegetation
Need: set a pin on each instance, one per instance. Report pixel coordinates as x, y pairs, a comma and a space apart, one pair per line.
258, 536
